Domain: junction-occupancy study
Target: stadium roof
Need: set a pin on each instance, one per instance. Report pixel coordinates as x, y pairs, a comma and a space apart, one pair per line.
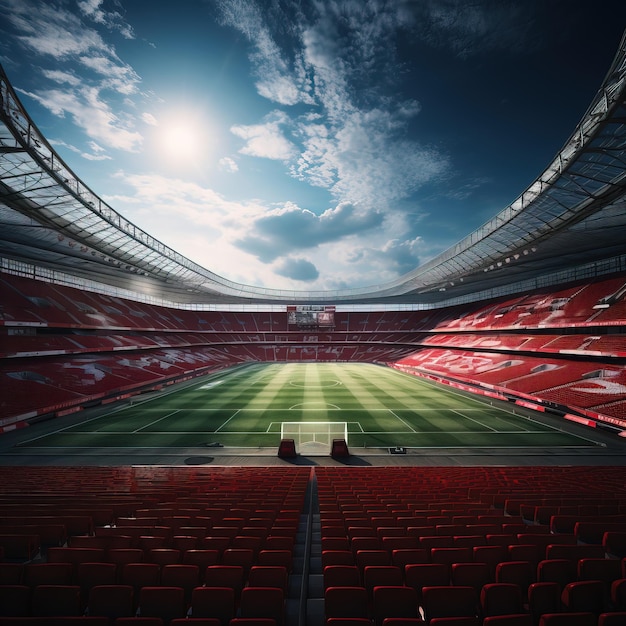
570, 223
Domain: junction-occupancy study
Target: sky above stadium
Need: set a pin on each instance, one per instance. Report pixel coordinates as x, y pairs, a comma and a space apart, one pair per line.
308, 144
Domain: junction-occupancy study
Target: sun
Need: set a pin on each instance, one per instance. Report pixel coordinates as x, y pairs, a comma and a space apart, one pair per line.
182, 138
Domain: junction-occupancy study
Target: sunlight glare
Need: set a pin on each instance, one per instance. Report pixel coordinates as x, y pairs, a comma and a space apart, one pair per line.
182, 139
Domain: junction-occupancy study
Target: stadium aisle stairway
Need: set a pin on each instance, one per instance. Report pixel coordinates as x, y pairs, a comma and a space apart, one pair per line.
297, 546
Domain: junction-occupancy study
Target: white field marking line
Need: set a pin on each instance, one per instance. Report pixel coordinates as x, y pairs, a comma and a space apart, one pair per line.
299, 407
486, 403
403, 421
267, 430
91, 419
228, 420
465, 417
41, 450
211, 384
153, 422
368, 432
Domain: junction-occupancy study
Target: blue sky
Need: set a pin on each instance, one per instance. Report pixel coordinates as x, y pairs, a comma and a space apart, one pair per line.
308, 144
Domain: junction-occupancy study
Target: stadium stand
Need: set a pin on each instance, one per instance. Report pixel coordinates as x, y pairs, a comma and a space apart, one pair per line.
62, 348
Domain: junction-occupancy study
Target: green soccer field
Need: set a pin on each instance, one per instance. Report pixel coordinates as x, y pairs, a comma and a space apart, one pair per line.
245, 407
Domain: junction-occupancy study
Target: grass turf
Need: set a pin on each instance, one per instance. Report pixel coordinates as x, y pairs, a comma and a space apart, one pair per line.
244, 407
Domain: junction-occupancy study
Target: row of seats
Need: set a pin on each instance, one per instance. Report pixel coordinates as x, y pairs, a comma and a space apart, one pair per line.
585, 385
164, 602
448, 545
39, 302
598, 345
452, 517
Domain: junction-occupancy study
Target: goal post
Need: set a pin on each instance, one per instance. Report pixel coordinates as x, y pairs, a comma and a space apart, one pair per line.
321, 433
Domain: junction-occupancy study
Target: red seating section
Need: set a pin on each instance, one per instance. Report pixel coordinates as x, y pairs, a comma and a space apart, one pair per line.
62, 347
85, 571
490, 582
499, 511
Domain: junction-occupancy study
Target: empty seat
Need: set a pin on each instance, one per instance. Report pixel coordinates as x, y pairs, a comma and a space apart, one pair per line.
164, 602
76, 555
48, 574
252, 621
214, 602
500, 599
179, 575
243, 557
364, 558
266, 602
394, 601
378, 575
138, 621
202, 558
56, 600
121, 556
451, 555
492, 555
618, 594
520, 573
91, 574
337, 557
139, 575
456, 621
11, 573
349, 601
268, 576
164, 556
449, 601
584, 596
341, 576
520, 619
405, 556
283, 558
561, 571
470, 575
14, 600
614, 618
543, 597
420, 575
568, 619
111, 601
614, 543
225, 576
606, 570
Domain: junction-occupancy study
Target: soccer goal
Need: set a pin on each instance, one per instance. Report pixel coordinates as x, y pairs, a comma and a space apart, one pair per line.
312, 433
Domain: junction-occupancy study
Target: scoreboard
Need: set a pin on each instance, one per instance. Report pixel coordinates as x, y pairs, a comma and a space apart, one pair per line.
311, 316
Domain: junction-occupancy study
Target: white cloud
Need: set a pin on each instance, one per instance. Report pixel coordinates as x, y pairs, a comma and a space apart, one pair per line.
266, 139
91, 114
50, 29
353, 141
59, 76
111, 19
226, 164
149, 119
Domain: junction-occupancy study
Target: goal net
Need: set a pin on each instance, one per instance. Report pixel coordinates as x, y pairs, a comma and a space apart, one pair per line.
311, 433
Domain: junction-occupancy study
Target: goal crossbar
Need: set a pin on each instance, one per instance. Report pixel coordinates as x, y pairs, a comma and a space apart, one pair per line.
314, 432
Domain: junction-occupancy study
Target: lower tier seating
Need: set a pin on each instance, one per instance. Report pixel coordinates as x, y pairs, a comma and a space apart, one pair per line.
373, 546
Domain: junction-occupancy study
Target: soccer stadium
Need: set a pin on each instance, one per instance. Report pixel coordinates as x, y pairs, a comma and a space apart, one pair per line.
448, 448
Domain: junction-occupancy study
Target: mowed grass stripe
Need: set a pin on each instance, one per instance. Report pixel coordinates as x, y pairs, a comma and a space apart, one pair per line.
249, 403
